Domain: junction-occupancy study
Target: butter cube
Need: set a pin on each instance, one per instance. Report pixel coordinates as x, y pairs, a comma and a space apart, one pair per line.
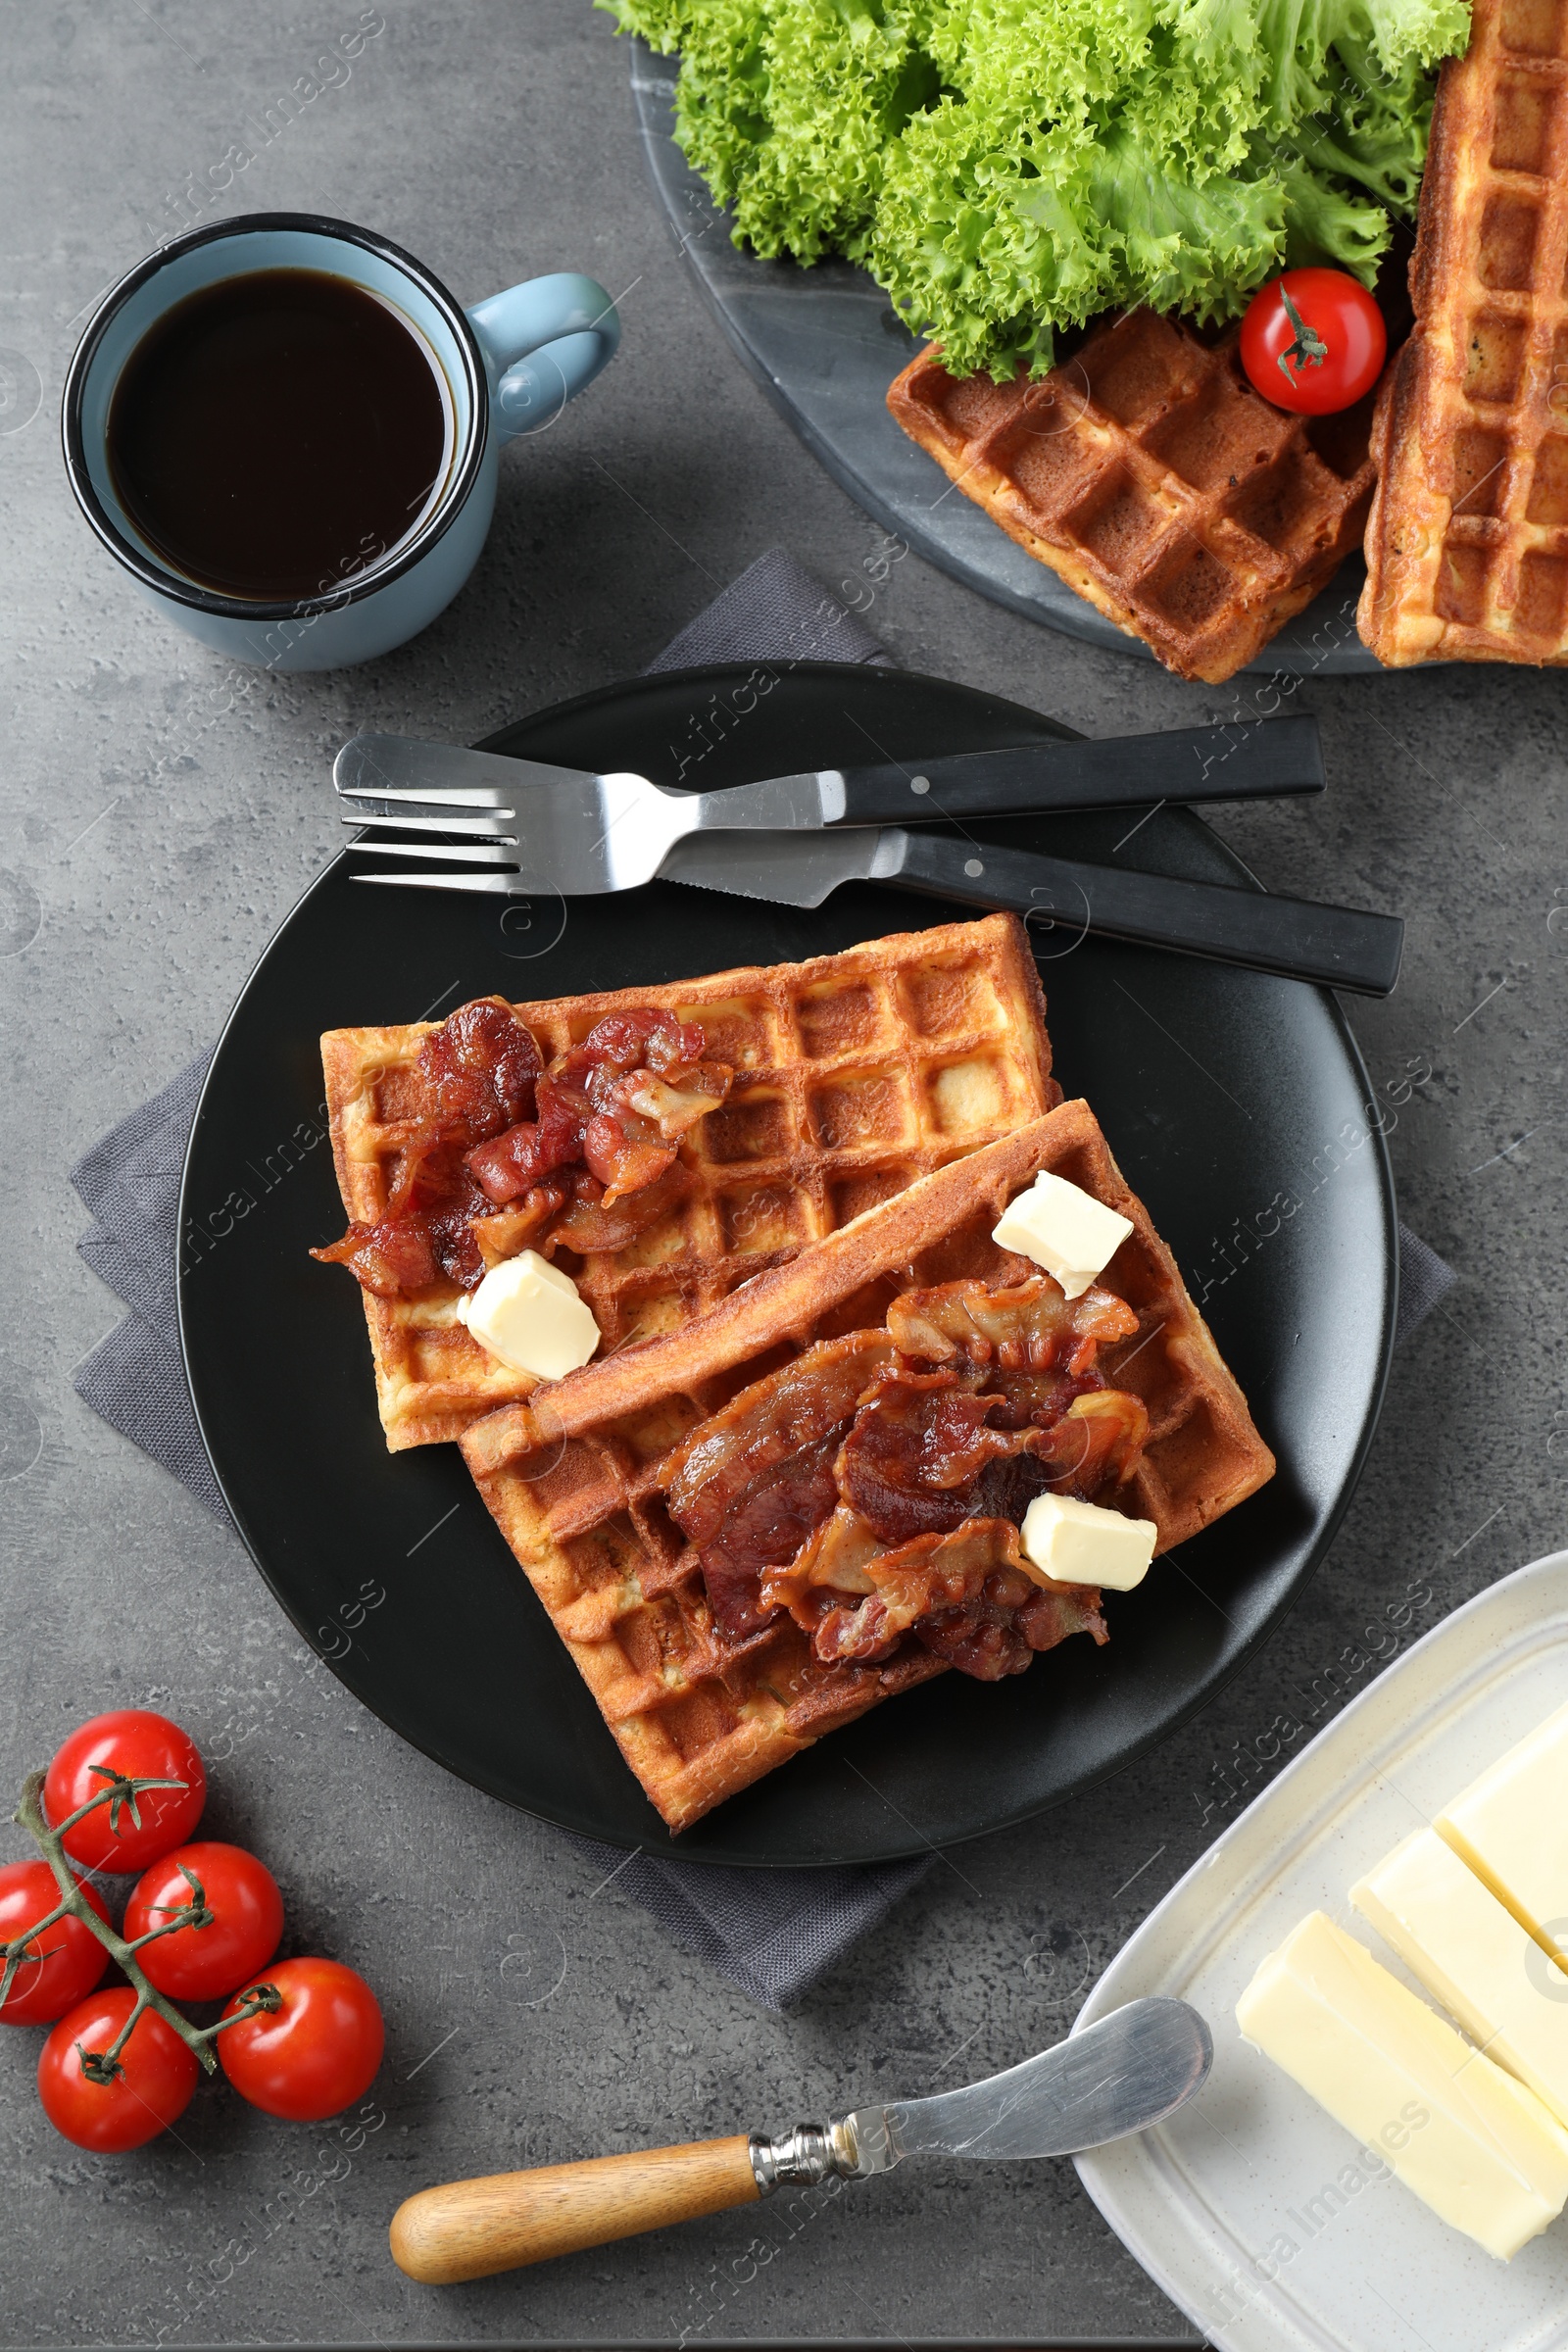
1474, 1957
1063, 1229
527, 1314
1072, 1543
1474, 2144
1511, 1827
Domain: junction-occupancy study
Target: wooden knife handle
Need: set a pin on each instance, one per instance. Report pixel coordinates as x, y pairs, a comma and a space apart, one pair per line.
470, 2229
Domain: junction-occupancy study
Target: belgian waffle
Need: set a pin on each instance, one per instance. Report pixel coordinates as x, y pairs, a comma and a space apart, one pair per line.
856, 1074
1148, 473
574, 1478
1467, 546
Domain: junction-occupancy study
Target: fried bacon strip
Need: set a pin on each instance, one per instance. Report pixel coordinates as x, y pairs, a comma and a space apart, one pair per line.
916, 1581
876, 1486
751, 1484
589, 1223
1030, 1327
477, 1075
1095, 1444
619, 1103
997, 1631
506, 1231
479, 1070
581, 1156
838, 1558
968, 1595
427, 1233
916, 1449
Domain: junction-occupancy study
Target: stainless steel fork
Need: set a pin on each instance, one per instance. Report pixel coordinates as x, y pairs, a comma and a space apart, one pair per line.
579, 833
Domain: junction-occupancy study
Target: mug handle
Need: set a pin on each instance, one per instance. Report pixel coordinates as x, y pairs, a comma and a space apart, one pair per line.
543, 343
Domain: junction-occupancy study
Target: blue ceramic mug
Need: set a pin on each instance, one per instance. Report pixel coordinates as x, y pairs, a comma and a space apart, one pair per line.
510, 365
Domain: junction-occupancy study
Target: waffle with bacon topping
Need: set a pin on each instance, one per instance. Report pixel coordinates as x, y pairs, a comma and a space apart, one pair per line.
713, 1128
808, 1499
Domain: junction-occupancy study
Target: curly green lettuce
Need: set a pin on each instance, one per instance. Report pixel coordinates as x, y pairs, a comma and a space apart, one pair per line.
1009, 168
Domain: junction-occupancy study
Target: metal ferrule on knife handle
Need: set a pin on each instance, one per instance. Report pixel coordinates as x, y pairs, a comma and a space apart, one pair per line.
807, 2156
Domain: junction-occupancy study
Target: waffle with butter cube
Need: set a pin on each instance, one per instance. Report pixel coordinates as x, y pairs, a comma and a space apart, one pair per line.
855, 1075
575, 1475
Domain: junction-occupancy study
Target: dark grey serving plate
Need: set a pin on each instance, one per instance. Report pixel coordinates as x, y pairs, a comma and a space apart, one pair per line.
824, 344
1232, 1101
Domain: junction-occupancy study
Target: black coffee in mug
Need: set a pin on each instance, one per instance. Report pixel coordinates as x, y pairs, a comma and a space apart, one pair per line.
274, 433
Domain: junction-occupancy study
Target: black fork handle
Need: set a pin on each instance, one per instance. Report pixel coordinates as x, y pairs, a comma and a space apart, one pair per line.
1185, 764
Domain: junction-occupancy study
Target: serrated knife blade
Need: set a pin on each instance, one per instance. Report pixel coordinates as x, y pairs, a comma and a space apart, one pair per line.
793, 869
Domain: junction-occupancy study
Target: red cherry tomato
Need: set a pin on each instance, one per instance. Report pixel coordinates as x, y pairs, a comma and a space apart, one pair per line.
317, 2054
151, 2090
65, 1962
1325, 357
203, 1963
143, 1746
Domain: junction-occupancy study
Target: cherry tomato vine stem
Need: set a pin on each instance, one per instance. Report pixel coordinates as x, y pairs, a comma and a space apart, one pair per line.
118, 1794
194, 1914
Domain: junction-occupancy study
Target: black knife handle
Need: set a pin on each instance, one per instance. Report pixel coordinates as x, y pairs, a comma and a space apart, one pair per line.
1336, 947
1184, 764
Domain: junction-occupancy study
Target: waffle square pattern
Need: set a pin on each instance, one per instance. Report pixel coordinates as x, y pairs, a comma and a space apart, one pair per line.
856, 1075
1467, 546
578, 1478
1150, 475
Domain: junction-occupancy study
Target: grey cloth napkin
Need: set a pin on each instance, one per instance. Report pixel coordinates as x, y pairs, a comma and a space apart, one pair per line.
135, 1379
770, 1932
1424, 1279
775, 613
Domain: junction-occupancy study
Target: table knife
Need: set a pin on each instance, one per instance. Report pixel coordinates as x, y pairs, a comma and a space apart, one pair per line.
1335, 946
1132, 2070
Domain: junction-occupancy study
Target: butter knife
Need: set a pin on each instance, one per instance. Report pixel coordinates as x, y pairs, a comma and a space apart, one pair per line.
1132, 2070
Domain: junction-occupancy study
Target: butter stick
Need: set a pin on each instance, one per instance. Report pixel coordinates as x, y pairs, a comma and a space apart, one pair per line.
1478, 2147
1511, 1827
1472, 1955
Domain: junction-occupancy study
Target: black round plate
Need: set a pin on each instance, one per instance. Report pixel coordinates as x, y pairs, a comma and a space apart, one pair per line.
1236, 1104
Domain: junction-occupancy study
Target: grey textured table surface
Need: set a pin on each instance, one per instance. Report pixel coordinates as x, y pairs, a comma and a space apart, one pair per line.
155, 837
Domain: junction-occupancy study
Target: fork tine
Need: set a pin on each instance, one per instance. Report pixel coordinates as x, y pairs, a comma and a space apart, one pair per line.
438, 796
493, 885
496, 853
472, 828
